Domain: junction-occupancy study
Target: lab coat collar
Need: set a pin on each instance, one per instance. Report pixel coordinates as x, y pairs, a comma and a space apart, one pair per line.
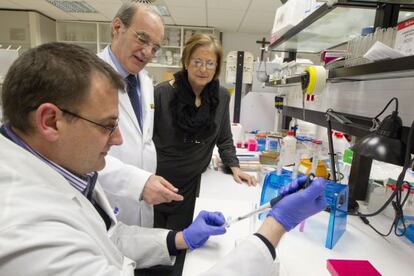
59, 182
145, 84
118, 66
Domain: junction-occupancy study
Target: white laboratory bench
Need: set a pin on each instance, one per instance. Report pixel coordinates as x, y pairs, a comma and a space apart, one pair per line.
298, 253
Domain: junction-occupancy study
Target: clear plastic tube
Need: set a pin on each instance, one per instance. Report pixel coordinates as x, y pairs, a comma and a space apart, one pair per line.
316, 149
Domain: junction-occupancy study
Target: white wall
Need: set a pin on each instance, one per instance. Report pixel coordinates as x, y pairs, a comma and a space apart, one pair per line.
47, 28
26, 29
14, 29
42, 29
363, 98
240, 42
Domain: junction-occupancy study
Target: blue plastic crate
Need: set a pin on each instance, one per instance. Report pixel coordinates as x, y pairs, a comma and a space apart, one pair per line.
336, 196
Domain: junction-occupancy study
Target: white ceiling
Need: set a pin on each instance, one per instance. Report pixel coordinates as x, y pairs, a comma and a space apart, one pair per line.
247, 16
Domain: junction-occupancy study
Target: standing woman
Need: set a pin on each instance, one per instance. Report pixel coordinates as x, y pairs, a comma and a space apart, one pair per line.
191, 117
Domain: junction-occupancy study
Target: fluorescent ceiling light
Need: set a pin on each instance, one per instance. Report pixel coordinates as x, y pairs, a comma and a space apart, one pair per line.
73, 6
163, 10
142, 1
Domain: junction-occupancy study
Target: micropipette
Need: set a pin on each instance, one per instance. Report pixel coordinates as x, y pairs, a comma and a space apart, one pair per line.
270, 204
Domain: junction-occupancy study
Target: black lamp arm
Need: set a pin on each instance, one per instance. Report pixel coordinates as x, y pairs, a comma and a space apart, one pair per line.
330, 145
385, 108
343, 120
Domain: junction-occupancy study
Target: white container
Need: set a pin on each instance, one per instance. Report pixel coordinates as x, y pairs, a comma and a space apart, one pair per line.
288, 149
306, 129
340, 144
238, 134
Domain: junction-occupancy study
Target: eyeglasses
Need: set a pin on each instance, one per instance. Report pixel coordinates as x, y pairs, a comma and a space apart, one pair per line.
199, 63
144, 39
111, 128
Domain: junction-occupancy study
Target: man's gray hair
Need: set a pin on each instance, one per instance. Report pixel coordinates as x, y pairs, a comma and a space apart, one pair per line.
128, 9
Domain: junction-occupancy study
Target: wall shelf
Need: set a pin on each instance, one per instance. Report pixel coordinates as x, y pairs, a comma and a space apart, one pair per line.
162, 65
393, 68
319, 118
331, 25
385, 69
322, 29
172, 47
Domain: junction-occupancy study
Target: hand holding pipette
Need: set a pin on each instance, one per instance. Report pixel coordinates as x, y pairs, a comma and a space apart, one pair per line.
298, 206
296, 185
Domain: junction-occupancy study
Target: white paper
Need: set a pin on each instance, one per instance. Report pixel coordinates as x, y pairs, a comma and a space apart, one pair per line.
380, 51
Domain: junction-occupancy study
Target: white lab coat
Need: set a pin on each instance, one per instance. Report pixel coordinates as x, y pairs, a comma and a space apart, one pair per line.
47, 227
130, 165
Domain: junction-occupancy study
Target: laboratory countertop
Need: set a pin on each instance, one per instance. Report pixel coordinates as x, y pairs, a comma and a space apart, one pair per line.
218, 185
390, 256
298, 253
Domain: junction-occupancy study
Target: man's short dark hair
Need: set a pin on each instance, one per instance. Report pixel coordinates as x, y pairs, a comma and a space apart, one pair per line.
57, 73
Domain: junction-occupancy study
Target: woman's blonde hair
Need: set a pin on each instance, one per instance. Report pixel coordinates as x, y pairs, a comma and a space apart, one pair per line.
199, 40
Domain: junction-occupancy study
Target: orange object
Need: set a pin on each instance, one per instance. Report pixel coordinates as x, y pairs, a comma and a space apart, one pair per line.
305, 167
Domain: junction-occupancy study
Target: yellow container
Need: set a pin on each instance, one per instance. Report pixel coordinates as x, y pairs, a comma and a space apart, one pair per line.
306, 165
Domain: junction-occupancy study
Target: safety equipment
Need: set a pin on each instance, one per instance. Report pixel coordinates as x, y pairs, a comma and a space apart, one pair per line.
205, 225
296, 207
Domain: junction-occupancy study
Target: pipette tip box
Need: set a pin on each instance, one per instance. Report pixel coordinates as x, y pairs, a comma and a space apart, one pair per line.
351, 267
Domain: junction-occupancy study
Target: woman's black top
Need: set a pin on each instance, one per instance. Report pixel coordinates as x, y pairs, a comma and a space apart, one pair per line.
183, 154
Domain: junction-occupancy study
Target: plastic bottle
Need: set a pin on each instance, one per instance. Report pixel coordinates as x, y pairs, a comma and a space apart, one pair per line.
261, 141
288, 149
316, 149
272, 143
340, 144
238, 135
304, 144
252, 145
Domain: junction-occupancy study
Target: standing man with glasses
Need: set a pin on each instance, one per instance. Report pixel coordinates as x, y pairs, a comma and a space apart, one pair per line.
128, 178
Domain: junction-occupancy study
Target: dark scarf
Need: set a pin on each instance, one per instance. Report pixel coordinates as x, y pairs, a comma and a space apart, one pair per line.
196, 123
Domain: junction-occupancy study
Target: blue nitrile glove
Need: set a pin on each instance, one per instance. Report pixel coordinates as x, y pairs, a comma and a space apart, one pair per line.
205, 225
296, 207
294, 186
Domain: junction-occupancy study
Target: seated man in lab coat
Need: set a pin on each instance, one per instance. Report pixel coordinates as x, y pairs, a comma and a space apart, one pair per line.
60, 106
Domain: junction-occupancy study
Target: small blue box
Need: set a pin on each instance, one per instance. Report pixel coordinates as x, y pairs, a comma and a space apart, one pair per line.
271, 185
409, 233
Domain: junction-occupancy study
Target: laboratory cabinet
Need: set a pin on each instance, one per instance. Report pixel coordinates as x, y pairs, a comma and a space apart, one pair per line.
94, 36
25, 29
175, 38
167, 61
97, 35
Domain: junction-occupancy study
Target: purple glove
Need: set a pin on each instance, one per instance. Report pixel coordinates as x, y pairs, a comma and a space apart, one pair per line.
294, 186
296, 207
205, 225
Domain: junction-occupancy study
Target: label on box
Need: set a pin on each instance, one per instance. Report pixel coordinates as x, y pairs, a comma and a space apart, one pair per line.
404, 40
